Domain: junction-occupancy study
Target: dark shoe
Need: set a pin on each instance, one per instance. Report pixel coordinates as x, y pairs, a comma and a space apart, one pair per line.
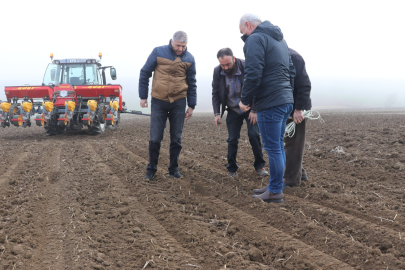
148, 177
269, 197
260, 190
304, 178
175, 175
232, 174
262, 172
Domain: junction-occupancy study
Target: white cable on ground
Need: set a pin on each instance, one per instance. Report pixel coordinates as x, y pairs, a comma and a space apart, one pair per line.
290, 128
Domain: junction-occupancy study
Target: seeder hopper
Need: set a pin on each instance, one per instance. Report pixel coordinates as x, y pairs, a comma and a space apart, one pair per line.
73, 95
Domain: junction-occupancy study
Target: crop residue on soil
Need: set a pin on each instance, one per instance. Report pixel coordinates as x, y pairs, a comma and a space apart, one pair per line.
75, 201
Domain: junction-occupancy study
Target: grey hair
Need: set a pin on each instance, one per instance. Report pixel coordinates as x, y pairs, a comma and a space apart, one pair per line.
180, 36
253, 19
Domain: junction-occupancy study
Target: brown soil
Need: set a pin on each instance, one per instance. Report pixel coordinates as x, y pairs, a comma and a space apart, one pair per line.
76, 201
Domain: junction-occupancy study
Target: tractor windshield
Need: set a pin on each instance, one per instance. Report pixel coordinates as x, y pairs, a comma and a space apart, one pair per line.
73, 74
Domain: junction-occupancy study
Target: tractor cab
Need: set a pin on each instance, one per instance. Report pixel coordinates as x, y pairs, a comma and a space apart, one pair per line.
76, 72
73, 94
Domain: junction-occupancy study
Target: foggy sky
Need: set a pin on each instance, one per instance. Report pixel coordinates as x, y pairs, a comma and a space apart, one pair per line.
352, 49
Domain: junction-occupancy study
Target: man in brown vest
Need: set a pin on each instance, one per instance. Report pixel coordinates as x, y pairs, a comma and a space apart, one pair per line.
173, 86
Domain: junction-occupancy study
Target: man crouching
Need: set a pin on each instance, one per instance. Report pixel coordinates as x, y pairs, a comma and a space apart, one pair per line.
227, 86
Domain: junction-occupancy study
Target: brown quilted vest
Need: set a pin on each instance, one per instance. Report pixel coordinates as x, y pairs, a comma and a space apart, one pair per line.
169, 80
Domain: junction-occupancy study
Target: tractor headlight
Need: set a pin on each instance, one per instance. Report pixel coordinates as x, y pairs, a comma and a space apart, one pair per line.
88, 61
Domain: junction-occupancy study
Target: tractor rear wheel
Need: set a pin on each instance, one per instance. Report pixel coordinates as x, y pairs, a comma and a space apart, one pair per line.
101, 109
52, 128
97, 129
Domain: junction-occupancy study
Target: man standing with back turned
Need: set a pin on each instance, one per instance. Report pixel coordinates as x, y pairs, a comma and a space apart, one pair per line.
294, 147
268, 72
173, 84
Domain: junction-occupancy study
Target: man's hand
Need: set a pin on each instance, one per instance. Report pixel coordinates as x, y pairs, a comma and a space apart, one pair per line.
189, 113
243, 108
144, 103
253, 118
298, 116
217, 120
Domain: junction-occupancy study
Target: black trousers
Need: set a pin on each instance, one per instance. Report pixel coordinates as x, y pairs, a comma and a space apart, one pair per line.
234, 122
160, 112
294, 151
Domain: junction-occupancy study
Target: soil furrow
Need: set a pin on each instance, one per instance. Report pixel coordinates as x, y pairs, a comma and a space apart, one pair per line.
90, 209
53, 254
274, 235
192, 232
312, 232
165, 251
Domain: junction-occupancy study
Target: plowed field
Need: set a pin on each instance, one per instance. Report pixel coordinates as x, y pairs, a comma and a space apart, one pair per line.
76, 201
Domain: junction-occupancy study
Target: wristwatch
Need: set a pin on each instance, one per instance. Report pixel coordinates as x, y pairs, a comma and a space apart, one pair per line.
192, 107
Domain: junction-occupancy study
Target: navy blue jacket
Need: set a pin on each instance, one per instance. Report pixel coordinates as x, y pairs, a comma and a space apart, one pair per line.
268, 68
302, 84
174, 76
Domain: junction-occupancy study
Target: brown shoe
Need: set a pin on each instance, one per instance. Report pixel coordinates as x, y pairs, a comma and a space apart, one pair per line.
269, 197
260, 190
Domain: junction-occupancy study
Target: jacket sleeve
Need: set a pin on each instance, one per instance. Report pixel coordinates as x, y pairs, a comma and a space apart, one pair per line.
302, 84
192, 85
292, 73
254, 64
216, 101
242, 68
146, 73
253, 106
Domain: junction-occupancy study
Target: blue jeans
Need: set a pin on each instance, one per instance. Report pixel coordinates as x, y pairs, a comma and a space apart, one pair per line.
272, 124
160, 111
234, 122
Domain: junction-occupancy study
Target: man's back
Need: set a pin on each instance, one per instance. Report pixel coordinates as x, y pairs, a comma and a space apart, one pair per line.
267, 67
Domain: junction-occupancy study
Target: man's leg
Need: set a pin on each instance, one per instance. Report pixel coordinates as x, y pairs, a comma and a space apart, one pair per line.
158, 118
255, 142
294, 151
234, 122
272, 124
176, 118
282, 133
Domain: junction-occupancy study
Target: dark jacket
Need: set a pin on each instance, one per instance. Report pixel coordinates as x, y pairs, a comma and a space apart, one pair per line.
219, 90
267, 68
302, 84
173, 78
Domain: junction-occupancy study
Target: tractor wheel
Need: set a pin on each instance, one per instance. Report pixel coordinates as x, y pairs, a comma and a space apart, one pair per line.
41, 121
97, 129
101, 109
113, 125
52, 128
12, 111
60, 129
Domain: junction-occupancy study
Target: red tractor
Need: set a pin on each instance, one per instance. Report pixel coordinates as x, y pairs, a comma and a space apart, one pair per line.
73, 94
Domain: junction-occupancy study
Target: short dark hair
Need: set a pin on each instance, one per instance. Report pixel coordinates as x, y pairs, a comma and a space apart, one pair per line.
224, 52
